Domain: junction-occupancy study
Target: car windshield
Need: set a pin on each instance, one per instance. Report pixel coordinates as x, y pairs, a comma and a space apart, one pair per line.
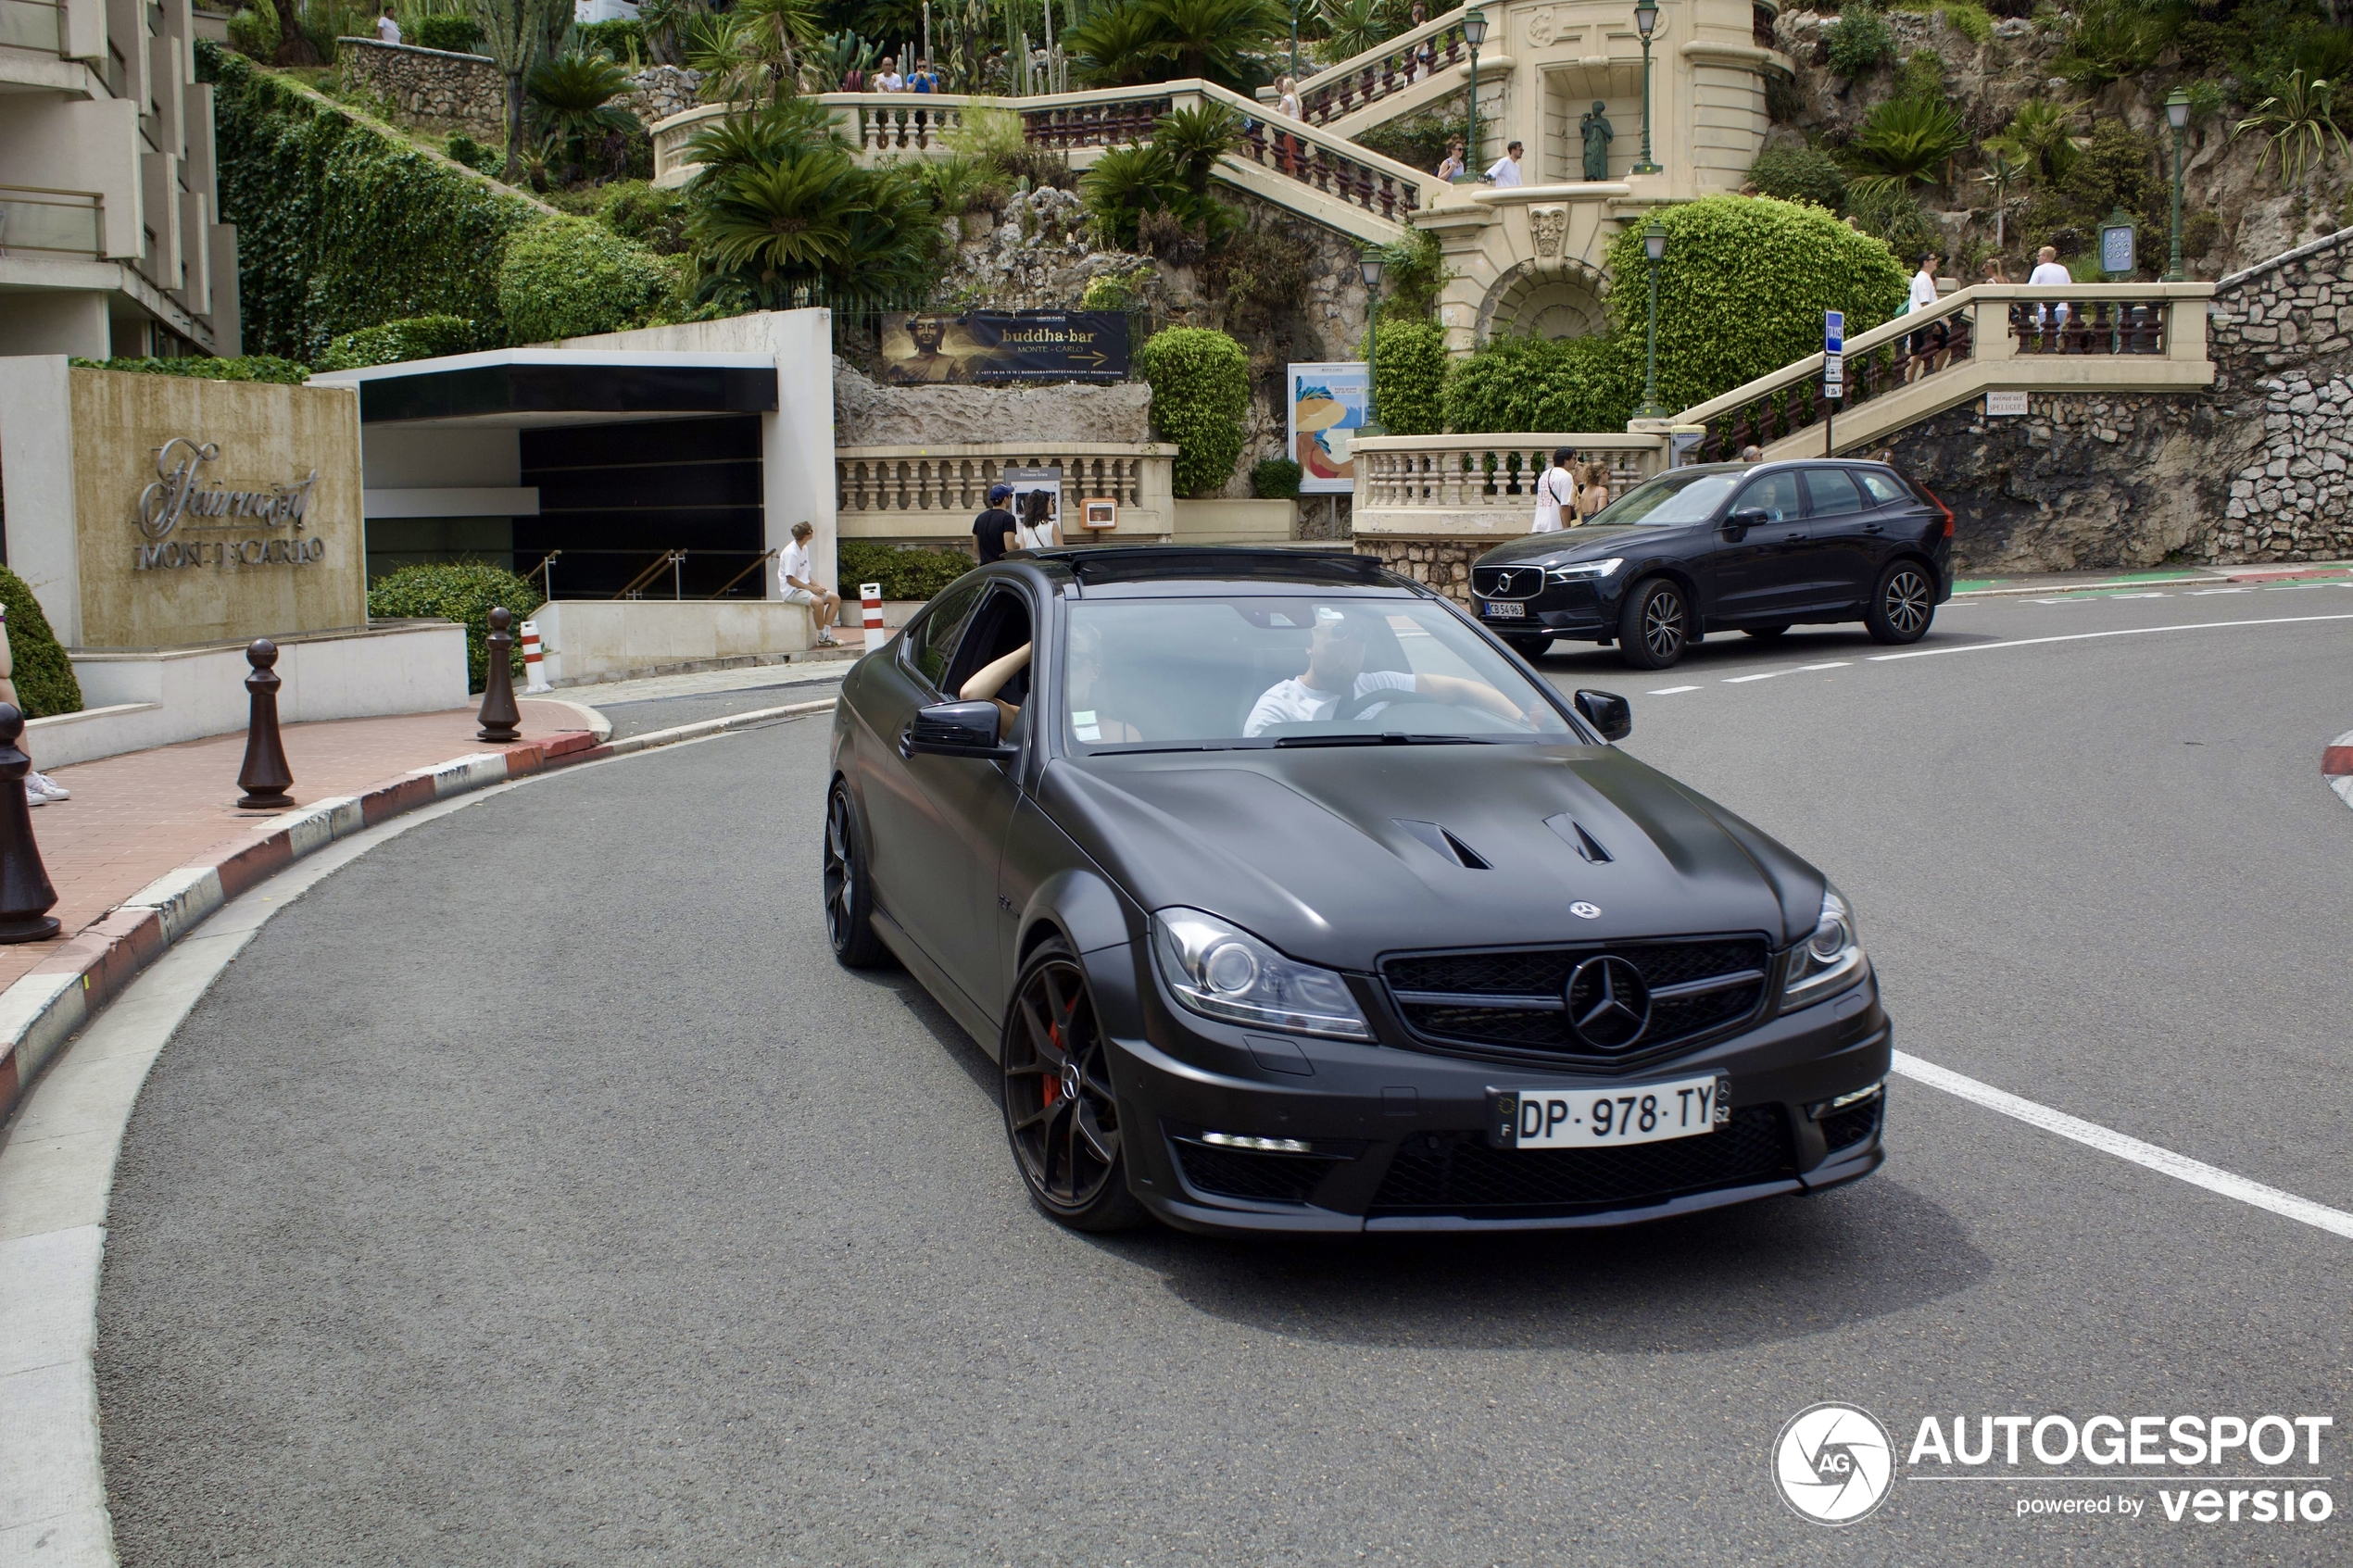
1671, 497
1338, 670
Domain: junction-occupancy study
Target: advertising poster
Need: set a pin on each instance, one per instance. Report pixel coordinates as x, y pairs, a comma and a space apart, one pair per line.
1038, 494
1328, 407
983, 346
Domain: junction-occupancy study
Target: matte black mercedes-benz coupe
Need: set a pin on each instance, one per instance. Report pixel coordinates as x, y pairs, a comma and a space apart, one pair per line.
1753, 548
1288, 899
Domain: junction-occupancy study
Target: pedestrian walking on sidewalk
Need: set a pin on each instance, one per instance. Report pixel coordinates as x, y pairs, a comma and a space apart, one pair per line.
798, 577
39, 787
1505, 174
994, 530
1596, 494
1557, 494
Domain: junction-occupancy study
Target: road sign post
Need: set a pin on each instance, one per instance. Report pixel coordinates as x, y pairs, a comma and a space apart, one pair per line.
1833, 373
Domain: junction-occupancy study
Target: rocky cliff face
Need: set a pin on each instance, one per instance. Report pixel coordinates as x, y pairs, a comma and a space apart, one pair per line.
867, 413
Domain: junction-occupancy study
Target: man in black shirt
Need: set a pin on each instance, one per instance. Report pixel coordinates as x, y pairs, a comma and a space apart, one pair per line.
993, 530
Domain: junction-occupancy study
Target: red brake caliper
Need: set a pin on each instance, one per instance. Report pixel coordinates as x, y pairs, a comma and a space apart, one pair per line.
1054, 1080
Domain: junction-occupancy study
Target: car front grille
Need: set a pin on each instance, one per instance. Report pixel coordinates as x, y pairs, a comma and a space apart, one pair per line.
1520, 1001
1264, 1178
1507, 582
1856, 1123
1457, 1173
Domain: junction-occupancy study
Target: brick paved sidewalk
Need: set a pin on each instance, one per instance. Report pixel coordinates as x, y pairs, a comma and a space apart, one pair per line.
134, 816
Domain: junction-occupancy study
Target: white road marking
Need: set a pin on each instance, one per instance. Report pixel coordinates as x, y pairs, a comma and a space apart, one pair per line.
2140, 595
2077, 600
2336, 1222
1736, 680
2208, 593
1670, 691
2126, 631
1833, 664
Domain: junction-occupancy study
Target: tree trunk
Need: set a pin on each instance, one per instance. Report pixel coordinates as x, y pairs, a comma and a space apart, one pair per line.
514, 127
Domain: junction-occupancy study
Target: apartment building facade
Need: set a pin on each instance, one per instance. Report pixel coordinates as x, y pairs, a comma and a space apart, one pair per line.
110, 238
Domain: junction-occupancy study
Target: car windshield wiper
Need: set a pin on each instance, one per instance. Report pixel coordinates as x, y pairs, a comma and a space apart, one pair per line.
1388, 737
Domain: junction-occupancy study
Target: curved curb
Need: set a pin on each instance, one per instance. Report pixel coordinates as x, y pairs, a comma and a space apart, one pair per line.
53, 1494
2336, 766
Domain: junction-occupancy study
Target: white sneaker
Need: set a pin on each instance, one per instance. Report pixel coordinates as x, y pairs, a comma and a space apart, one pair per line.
48, 786
33, 796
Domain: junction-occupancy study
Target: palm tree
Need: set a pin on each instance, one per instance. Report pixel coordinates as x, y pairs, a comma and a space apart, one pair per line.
1195, 139
2300, 122
774, 130
1354, 26
2044, 132
785, 221
1140, 41
1118, 46
574, 93
1127, 182
2005, 166
511, 31
1904, 141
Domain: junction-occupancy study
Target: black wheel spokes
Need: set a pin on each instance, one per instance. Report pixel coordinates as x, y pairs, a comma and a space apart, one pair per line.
840, 875
1069, 1142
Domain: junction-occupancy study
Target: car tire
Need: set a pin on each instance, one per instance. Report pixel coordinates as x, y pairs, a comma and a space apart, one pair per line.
1062, 1117
1765, 633
1527, 648
850, 893
1654, 624
1904, 605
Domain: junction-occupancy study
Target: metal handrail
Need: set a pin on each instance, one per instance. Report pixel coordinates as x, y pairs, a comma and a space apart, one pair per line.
671, 559
765, 557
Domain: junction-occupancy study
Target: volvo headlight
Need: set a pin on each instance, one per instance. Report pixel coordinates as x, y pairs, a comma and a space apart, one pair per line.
1582, 571
1830, 961
1222, 971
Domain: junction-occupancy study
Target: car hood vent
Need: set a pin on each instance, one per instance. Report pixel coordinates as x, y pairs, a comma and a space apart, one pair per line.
1445, 843
1584, 842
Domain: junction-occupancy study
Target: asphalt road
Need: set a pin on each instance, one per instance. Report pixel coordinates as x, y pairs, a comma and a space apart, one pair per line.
535, 1190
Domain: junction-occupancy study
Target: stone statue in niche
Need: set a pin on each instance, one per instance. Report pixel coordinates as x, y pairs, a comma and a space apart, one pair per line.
1595, 127
1548, 226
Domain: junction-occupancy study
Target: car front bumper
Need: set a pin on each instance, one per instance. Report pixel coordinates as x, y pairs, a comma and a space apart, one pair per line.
1561, 609
1396, 1134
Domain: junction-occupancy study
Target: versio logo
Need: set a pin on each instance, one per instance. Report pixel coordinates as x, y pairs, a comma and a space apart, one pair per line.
1833, 1463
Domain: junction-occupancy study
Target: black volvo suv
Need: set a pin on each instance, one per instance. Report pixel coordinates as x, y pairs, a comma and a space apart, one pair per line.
1753, 548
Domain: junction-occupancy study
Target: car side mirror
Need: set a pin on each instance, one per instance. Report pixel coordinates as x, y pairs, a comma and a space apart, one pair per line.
1607, 712
955, 729
1737, 524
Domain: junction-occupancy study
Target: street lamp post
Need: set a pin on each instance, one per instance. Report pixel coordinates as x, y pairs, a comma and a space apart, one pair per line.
1653, 247
1475, 34
1646, 18
2177, 114
1369, 267
1294, 40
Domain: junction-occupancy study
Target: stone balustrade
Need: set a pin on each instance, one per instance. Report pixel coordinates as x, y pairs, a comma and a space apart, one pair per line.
930, 494
1384, 70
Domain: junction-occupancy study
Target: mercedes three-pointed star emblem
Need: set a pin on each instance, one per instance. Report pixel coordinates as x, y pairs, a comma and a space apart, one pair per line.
1608, 1004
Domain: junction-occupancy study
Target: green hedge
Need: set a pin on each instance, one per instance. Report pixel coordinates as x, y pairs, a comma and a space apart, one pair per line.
904, 574
43, 676
424, 337
456, 35
1409, 395
1200, 391
1519, 382
1275, 479
250, 367
1800, 174
570, 277
464, 592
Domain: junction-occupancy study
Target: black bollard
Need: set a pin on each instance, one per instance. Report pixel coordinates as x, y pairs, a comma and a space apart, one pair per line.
264, 778
25, 893
500, 717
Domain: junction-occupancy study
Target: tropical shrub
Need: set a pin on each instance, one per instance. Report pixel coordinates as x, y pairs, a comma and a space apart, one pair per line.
250, 367
1409, 372
1200, 391
1170, 175
1413, 271
620, 41
1139, 41
904, 574
1905, 142
1519, 382
465, 592
1275, 479
1860, 43
474, 155
1803, 174
42, 673
254, 30
456, 33
654, 216
425, 337
572, 99
2298, 124
570, 277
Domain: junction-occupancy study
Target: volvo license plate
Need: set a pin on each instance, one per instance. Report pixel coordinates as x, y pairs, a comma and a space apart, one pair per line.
1682, 1107
1500, 610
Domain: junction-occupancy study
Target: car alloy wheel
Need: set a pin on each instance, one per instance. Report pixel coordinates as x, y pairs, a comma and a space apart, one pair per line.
1060, 1115
1905, 604
850, 926
1653, 626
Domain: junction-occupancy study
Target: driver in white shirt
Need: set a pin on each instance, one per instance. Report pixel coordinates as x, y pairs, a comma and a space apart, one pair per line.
1335, 672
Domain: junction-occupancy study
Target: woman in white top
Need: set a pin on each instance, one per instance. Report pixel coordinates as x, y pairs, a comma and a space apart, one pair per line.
1928, 344
1037, 530
1557, 494
1286, 102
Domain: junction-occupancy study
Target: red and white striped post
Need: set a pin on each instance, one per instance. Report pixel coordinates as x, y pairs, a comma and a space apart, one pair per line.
869, 599
534, 672
2336, 766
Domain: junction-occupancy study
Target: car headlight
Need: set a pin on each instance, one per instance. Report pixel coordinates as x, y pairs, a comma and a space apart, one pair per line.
1830, 961
1581, 569
1222, 971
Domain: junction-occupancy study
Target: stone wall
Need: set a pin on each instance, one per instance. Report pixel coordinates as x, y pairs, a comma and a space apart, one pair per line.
868, 413
455, 92
2254, 470
659, 91
1444, 564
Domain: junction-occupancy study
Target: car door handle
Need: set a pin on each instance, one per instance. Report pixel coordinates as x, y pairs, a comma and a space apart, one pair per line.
1793, 538
1875, 528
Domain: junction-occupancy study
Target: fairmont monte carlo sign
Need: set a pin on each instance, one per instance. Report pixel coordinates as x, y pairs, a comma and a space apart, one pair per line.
183, 522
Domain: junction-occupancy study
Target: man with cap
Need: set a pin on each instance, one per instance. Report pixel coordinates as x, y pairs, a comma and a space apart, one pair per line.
993, 530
